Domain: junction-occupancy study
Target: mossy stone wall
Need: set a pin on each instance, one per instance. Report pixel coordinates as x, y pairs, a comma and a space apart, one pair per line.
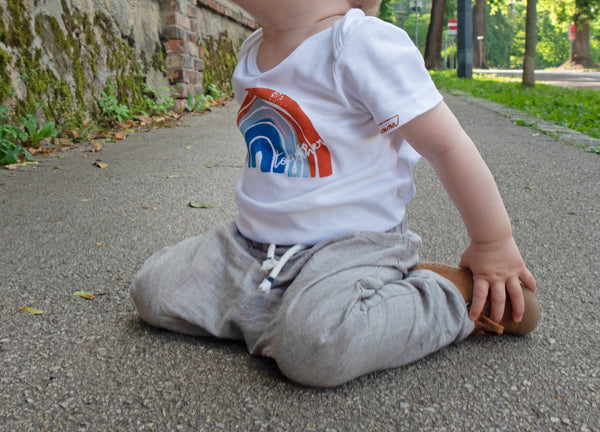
57, 56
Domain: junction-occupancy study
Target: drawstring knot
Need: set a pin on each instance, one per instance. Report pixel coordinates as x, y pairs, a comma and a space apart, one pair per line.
270, 262
275, 266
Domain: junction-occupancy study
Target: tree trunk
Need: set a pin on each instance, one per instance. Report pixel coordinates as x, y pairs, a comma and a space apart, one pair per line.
433, 44
530, 36
479, 31
580, 47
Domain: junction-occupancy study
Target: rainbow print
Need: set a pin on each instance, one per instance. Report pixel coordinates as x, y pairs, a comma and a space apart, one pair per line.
280, 137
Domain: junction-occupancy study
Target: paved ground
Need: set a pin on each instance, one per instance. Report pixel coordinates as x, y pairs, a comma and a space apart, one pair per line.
562, 78
92, 365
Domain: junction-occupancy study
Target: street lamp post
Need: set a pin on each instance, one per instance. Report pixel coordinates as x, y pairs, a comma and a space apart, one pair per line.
416, 23
464, 39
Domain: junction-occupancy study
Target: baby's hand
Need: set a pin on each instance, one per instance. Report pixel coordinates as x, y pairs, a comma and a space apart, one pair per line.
497, 268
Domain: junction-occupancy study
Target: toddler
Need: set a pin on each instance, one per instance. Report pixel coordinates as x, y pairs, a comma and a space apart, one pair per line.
319, 270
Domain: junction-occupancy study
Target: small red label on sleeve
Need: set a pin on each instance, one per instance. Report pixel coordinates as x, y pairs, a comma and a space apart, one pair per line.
390, 124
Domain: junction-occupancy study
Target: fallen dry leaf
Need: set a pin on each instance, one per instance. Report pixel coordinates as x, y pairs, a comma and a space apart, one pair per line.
145, 120
99, 243
97, 135
119, 136
96, 147
200, 205
85, 295
62, 142
148, 208
126, 125
100, 164
32, 311
41, 151
74, 134
15, 166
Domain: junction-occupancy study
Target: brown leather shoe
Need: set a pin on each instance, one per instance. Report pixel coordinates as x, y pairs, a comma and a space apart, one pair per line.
463, 280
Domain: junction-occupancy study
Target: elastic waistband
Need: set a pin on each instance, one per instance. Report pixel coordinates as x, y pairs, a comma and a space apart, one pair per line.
401, 228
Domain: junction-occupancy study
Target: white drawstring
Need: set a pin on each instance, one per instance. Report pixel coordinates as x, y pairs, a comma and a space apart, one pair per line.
270, 262
276, 265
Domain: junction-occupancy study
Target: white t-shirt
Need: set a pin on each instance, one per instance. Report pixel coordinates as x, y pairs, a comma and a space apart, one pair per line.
323, 158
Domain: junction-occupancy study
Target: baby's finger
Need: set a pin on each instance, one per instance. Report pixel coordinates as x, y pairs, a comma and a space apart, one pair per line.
515, 292
528, 280
480, 293
498, 301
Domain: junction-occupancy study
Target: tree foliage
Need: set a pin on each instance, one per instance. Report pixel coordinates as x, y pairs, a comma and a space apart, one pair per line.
585, 15
586, 10
505, 29
386, 11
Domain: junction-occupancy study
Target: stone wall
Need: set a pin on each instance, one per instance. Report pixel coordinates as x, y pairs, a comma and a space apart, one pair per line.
57, 56
202, 39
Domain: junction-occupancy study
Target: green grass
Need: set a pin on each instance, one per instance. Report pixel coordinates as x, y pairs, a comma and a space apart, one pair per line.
577, 109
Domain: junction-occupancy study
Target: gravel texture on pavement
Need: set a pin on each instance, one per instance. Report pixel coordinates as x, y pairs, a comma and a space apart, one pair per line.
92, 365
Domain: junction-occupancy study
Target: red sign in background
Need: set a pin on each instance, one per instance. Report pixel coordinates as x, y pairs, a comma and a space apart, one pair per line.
572, 31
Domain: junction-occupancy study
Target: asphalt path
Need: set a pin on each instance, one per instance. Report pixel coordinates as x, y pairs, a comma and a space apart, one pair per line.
566, 78
92, 365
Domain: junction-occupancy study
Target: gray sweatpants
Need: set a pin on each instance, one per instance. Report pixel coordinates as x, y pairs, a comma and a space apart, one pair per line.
344, 307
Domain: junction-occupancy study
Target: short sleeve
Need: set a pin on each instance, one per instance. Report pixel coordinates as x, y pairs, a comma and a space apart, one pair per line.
383, 71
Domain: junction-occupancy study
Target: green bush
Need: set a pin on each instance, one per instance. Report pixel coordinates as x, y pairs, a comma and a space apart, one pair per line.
198, 103
35, 135
202, 101
157, 103
10, 138
112, 109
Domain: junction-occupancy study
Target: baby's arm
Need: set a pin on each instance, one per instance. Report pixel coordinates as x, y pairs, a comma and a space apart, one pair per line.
492, 255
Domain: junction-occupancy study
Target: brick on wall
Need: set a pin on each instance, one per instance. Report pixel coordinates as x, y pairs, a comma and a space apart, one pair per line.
184, 61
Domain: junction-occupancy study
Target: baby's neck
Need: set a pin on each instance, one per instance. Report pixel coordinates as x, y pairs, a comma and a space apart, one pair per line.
281, 38
288, 23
